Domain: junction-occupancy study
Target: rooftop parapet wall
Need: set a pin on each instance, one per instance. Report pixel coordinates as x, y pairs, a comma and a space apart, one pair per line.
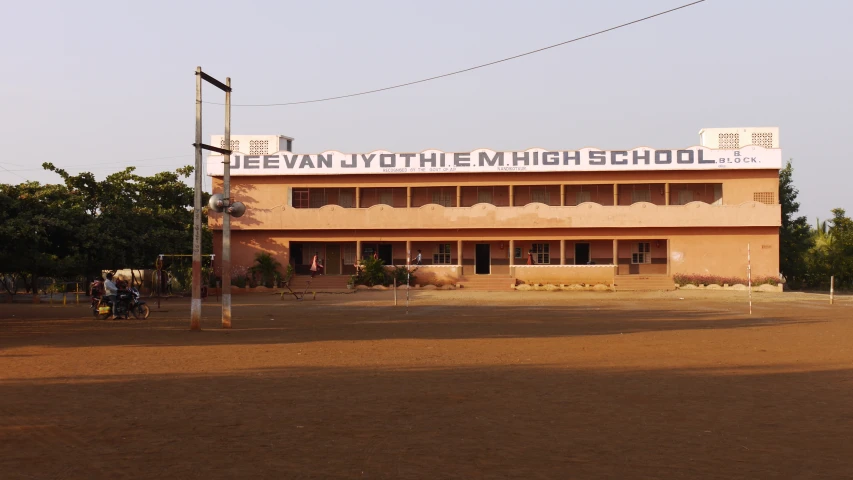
534, 215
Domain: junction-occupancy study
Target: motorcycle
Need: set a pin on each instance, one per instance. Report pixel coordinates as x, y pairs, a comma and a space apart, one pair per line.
127, 302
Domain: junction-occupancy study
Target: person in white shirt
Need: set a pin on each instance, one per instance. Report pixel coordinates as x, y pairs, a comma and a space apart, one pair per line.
111, 290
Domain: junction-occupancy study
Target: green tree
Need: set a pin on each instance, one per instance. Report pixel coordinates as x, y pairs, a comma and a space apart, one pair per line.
839, 253
795, 236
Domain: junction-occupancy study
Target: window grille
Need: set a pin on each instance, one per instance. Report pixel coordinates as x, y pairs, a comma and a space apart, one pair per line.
641, 253
729, 141
763, 139
685, 197
300, 198
540, 195
641, 196
442, 257
484, 196
259, 147
235, 145
767, 198
542, 252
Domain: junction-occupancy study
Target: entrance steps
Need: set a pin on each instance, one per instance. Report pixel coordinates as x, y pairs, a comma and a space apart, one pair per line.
320, 282
643, 283
486, 282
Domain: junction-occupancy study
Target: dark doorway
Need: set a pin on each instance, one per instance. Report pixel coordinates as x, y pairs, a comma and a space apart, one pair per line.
386, 253
483, 259
296, 258
333, 260
581, 253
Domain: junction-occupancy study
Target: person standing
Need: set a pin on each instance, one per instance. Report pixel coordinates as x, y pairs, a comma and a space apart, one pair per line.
530, 257
419, 258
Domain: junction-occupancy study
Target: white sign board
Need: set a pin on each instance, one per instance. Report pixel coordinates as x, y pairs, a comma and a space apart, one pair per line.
479, 161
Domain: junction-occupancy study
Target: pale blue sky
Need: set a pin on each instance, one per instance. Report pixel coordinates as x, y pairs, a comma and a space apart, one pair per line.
100, 85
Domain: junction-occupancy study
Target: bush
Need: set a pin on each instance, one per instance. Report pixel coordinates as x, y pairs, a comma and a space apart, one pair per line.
371, 272
403, 275
682, 279
239, 281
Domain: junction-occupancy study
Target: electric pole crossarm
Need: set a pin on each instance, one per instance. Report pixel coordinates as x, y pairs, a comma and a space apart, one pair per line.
223, 151
216, 83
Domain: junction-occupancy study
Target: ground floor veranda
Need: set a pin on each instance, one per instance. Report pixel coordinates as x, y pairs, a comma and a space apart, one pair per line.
588, 257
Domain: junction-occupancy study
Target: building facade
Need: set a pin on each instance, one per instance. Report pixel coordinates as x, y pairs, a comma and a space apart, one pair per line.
537, 216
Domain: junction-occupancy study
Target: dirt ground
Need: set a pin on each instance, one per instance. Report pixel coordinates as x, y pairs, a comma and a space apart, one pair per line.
467, 385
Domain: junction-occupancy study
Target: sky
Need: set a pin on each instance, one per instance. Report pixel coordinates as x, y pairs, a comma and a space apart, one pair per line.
97, 86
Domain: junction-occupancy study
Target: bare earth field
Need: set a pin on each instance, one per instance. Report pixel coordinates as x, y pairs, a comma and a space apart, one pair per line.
468, 385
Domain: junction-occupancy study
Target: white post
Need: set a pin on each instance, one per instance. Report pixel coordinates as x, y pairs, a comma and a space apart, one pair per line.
831, 288
408, 278
395, 291
749, 276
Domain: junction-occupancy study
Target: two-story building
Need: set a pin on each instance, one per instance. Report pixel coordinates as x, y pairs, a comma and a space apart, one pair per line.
539, 215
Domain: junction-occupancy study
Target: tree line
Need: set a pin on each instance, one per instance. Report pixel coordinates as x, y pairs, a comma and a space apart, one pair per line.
74, 230
809, 256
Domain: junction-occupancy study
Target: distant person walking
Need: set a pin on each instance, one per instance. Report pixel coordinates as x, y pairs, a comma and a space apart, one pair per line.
418, 259
316, 266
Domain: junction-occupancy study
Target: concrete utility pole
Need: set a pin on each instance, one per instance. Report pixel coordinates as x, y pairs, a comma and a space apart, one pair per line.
195, 306
226, 218
195, 309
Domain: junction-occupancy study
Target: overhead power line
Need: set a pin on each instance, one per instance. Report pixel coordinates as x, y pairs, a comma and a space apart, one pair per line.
392, 87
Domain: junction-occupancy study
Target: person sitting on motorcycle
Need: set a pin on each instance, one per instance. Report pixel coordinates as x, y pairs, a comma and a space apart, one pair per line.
110, 297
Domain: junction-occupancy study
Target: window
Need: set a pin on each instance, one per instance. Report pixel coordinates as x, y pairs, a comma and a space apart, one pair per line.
641, 253
685, 197
540, 195
386, 197
718, 194
442, 198
345, 199
443, 255
484, 196
300, 198
764, 197
581, 197
348, 254
317, 198
542, 252
641, 196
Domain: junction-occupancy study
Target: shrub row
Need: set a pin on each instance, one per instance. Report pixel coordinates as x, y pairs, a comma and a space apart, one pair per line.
705, 280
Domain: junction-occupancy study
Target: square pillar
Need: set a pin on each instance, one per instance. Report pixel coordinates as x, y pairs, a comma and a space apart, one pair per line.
458, 195
408, 251
562, 251
511, 253
358, 205
357, 251
512, 195
408, 197
666, 193
562, 195
459, 250
615, 194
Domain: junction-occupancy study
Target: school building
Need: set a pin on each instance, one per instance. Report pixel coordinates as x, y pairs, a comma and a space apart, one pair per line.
633, 218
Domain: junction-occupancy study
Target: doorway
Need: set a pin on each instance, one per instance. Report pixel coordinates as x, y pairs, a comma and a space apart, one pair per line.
386, 253
483, 259
296, 258
582, 254
333, 260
